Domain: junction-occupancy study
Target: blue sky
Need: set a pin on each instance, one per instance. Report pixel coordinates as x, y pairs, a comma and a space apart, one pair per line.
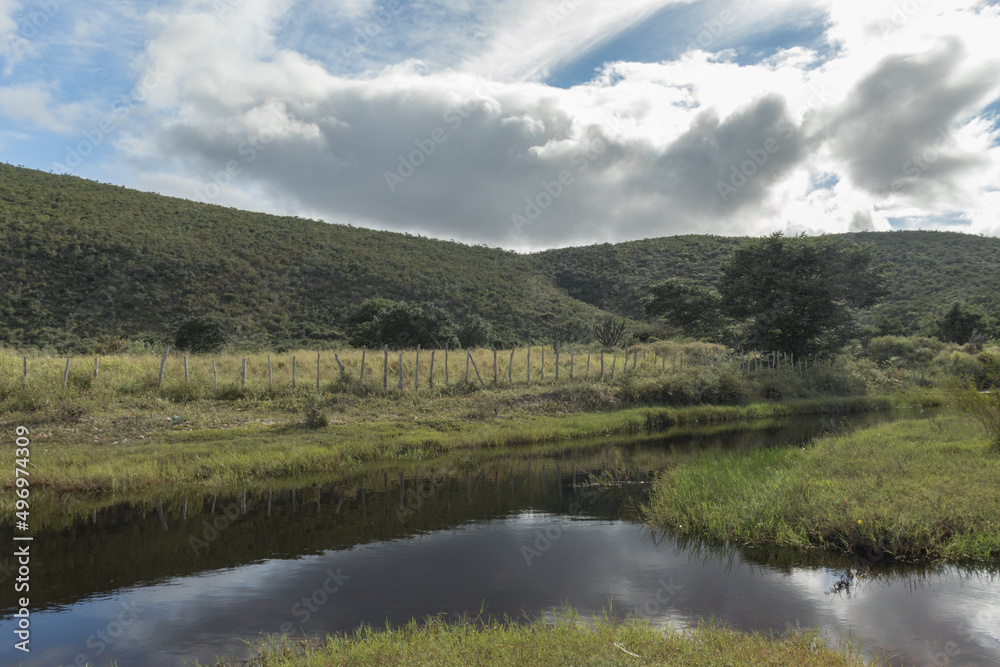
522, 124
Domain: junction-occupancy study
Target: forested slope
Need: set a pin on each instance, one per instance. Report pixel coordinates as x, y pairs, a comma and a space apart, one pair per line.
82, 259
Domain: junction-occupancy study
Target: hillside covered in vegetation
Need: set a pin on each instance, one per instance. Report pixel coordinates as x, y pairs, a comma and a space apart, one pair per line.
929, 272
82, 260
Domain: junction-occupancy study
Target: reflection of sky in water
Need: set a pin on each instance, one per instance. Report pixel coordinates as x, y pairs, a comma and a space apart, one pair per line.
584, 563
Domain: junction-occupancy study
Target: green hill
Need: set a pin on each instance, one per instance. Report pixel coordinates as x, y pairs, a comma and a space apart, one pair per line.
82, 259
930, 271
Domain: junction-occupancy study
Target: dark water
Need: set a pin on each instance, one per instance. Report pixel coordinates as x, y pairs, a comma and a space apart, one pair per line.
180, 579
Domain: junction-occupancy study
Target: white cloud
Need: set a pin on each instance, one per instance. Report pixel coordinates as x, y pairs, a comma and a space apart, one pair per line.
32, 103
813, 137
13, 46
531, 37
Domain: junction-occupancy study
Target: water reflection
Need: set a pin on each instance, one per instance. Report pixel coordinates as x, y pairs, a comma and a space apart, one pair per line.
186, 578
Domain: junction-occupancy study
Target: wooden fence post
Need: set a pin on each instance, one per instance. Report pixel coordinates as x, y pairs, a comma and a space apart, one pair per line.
469, 352
432, 367
614, 362
162, 364
24, 380
601, 377
362, 377
340, 365
66, 373
401, 370
215, 379
385, 368
468, 357
416, 371
185, 368
510, 367
571, 353
446, 364
243, 374
95, 368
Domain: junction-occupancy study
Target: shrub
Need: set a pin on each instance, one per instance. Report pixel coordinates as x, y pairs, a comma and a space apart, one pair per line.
989, 370
111, 345
919, 349
984, 406
315, 415
475, 331
209, 333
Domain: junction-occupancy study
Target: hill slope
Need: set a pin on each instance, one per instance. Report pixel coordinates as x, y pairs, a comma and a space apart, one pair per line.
83, 259
930, 270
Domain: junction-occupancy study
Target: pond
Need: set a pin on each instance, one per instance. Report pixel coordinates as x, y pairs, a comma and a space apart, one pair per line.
165, 582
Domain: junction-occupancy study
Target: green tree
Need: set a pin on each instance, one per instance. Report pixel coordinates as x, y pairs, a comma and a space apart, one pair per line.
799, 294
964, 323
687, 305
476, 331
399, 324
206, 333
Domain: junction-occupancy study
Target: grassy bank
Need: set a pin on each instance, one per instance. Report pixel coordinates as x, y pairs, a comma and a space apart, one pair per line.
88, 461
564, 643
919, 490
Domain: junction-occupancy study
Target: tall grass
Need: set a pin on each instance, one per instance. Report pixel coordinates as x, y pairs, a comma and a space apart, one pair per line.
911, 490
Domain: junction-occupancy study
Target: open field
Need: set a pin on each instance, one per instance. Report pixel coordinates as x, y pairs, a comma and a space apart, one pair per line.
566, 642
915, 490
122, 431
